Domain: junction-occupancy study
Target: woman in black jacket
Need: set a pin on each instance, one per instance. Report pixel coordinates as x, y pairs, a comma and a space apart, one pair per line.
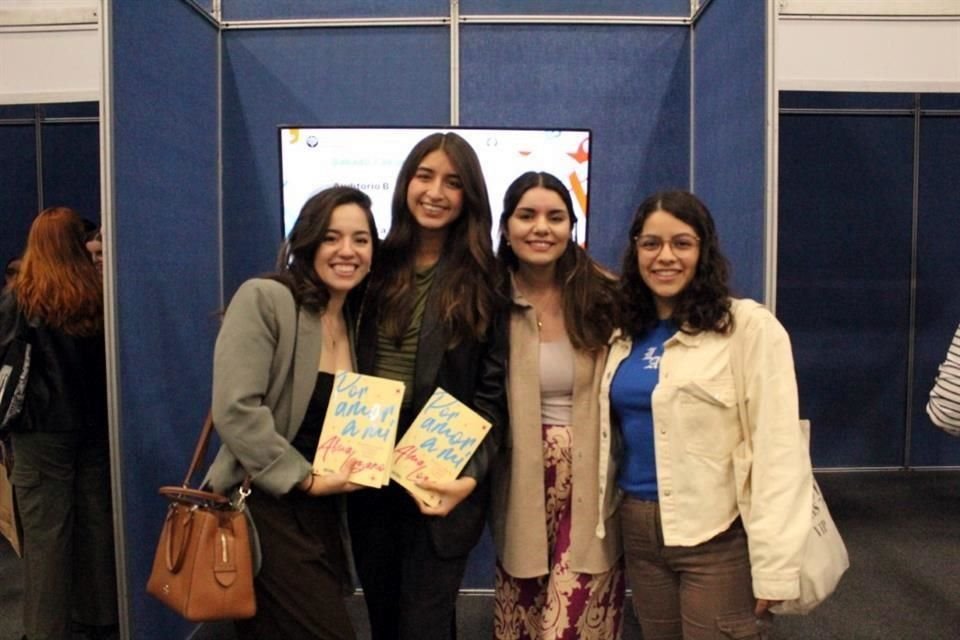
431, 318
62, 470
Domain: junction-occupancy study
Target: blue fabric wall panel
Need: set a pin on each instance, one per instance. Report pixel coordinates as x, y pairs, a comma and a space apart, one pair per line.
285, 9
18, 187
729, 132
630, 85
660, 8
843, 276
71, 167
164, 134
844, 100
71, 110
16, 111
940, 101
321, 77
938, 291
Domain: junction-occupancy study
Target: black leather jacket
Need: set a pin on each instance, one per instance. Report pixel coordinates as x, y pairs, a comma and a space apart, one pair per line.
473, 372
67, 388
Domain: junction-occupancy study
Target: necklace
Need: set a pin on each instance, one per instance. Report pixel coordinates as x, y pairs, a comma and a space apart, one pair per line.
545, 302
330, 334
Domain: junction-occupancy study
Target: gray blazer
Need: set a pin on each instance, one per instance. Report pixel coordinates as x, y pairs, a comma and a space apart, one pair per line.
264, 371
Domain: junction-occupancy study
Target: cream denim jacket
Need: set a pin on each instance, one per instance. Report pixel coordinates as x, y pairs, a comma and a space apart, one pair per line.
697, 433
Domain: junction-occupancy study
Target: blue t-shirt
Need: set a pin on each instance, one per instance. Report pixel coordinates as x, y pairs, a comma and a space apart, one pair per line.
630, 394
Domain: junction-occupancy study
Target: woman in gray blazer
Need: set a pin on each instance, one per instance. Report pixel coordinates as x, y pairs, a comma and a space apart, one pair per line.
282, 339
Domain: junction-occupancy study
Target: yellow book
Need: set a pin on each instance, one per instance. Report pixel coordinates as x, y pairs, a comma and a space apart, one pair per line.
437, 445
360, 428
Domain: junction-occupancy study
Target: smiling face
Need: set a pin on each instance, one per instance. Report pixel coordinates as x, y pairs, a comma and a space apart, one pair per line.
668, 251
539, 229
435, 193
343, 257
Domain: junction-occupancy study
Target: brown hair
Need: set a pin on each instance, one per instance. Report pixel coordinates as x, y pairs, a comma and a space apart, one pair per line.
466, 286
58, 284
704, 305
589, 293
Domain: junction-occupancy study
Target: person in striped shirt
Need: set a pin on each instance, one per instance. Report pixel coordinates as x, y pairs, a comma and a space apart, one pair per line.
944, 405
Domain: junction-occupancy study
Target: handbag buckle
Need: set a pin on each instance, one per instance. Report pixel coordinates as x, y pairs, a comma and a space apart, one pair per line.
243, 493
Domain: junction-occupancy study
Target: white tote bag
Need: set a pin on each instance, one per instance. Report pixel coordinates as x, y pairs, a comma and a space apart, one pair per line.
825, 556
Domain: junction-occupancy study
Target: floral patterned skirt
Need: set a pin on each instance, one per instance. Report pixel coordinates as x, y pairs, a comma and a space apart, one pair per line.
562, 605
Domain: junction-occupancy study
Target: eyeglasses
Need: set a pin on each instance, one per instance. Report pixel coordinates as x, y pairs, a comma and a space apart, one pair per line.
680, 244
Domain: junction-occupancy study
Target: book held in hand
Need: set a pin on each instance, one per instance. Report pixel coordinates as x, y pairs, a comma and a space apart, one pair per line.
437, 445
360, 428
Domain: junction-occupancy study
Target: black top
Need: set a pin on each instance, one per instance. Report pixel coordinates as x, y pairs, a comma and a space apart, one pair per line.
309, 434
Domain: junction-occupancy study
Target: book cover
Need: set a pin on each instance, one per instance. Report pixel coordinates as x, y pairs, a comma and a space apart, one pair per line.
360, 428
437, 445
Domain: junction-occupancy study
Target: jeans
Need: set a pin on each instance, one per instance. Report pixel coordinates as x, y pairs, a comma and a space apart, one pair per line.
703, 592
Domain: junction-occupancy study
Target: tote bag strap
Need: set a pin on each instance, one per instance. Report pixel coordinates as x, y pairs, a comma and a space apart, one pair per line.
737, 360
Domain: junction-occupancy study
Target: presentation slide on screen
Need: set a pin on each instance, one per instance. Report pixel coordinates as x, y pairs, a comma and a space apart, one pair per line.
369, 159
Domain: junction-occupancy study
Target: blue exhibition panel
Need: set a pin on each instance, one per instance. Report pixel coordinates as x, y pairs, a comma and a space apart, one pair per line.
318, 77
826, 100
71, 167
629, 84
938, 292
18, 186
844, 279
311, 9
656, 8
50, 156
729, 133
166, 230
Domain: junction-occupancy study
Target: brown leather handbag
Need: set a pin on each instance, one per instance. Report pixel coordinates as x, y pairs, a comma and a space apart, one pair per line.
203, 567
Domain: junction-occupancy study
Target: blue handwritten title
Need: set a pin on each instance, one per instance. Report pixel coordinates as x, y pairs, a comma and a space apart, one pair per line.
446, 443
367, 421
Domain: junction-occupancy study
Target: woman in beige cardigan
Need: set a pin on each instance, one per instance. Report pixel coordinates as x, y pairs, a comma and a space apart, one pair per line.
558, 572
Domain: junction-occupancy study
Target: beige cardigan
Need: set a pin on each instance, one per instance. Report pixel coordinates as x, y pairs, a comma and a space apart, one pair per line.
519, 510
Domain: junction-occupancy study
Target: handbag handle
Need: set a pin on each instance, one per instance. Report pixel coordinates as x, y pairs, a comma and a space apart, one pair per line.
173, 565
199, 453
201, 449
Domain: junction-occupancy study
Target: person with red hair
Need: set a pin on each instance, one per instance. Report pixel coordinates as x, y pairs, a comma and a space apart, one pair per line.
61, 472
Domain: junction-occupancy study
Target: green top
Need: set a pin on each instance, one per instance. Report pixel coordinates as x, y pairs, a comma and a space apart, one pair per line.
398, 362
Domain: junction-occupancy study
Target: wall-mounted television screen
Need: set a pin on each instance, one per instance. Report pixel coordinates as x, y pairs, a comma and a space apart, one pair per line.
369, 158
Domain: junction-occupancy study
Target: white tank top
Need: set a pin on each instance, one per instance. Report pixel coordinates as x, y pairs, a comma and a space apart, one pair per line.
556, 381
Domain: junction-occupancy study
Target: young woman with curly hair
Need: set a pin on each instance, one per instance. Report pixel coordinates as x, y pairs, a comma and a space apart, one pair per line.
686, 358
62, 466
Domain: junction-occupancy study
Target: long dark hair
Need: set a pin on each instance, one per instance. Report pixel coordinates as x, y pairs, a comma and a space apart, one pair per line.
589, 293
58, 283
295, 260
466, 285
704, 305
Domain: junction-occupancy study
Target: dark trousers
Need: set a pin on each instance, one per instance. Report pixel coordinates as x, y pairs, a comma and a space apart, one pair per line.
410, 591
304, 575
703, 592
62, 480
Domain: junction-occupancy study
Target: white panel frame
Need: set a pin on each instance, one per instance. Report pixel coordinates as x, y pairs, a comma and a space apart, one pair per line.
908, 55
57, 49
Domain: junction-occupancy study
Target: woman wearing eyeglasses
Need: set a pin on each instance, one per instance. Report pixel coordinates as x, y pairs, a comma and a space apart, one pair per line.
684, 363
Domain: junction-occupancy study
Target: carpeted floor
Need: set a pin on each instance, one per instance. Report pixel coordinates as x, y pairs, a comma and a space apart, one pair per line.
902, 530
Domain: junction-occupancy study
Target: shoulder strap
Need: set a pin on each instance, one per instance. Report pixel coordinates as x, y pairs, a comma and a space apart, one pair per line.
737, 360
